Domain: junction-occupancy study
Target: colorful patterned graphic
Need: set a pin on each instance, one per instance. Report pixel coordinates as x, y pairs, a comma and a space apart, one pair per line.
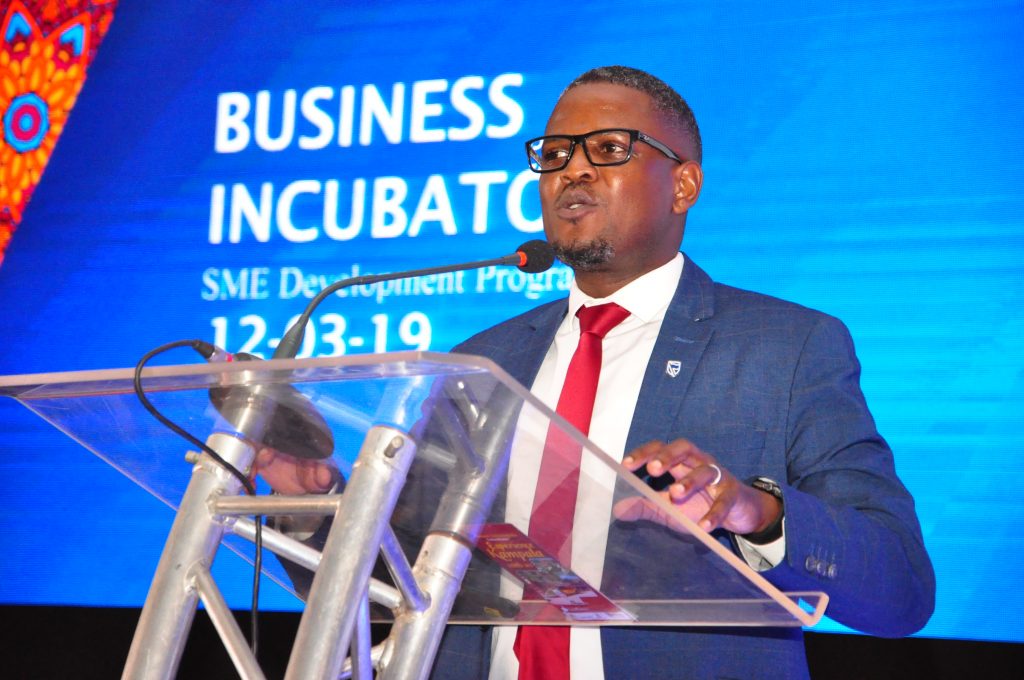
45, 48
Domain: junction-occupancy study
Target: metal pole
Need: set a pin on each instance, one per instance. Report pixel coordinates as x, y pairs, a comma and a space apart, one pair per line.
362, 663
305, 556
224, 622
348, 556
195, 536
417, 635
446, 552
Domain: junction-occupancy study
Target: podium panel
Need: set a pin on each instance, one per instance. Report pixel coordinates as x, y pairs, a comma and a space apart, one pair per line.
435, 459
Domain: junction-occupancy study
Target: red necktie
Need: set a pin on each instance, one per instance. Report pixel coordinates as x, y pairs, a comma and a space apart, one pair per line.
543, 651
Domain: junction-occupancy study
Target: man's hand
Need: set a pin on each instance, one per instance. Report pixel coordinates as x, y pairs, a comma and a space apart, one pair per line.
292, 476
706, 492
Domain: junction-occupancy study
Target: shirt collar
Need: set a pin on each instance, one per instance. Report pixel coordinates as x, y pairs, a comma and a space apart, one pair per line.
646, 298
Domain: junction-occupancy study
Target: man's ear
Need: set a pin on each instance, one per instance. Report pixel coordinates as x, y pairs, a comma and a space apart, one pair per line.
689, 178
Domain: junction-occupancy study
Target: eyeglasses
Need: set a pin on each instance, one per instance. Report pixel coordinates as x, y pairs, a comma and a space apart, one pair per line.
602, 147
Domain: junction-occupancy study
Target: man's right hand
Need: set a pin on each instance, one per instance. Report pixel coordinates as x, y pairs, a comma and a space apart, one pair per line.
293, 476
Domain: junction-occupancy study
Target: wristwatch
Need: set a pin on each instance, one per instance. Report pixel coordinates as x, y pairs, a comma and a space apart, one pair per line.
773, 531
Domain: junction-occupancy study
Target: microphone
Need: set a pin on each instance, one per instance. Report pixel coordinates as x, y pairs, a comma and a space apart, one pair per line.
531, 257
218, 355
536, 256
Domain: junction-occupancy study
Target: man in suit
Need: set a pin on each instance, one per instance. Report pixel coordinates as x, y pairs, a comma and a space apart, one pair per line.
759, 432
743, 410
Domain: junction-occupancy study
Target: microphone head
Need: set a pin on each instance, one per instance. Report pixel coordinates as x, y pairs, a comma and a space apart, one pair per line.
535, 256
291, 424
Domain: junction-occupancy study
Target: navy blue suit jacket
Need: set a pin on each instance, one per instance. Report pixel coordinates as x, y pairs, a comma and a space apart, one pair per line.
772, 389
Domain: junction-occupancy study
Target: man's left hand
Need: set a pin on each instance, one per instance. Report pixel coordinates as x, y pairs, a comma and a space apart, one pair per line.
703, 490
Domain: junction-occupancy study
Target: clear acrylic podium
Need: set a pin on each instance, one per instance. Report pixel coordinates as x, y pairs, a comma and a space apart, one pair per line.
436, 459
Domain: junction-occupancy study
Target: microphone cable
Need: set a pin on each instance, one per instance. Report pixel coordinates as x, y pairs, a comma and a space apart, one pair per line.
208, 350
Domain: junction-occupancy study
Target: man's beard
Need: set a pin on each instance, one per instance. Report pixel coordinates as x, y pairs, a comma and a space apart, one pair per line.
585, 257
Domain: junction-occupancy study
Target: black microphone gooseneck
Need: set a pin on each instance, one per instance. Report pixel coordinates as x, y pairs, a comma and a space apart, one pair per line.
532, 257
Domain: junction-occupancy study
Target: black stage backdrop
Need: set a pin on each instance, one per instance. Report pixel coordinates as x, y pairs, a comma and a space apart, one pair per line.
93, 642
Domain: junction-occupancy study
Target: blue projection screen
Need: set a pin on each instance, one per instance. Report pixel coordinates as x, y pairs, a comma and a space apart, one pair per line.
226, 160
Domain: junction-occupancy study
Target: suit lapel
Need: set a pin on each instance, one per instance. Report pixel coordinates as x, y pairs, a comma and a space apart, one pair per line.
526, 358
684, 335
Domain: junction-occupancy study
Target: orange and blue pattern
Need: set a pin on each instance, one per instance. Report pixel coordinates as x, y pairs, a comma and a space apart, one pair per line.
45, 49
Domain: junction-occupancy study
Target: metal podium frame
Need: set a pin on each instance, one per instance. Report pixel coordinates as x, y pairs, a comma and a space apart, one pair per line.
467, 403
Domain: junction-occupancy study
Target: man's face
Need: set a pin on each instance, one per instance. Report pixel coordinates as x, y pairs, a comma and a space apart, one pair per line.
615, 223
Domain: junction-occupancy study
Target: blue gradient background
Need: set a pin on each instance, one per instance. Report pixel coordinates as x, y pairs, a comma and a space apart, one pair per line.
862, 158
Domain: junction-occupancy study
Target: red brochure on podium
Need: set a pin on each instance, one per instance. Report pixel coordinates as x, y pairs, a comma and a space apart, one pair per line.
545, 578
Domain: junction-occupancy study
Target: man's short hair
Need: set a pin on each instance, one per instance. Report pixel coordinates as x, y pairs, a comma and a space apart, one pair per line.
666, 100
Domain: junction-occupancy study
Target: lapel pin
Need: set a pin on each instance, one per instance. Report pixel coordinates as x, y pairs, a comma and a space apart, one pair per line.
672, 367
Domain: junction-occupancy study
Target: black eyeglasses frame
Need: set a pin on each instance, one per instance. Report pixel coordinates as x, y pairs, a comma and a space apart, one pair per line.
580, 140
